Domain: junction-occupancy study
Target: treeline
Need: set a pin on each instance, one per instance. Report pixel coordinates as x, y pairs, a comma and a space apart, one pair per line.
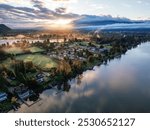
124, 38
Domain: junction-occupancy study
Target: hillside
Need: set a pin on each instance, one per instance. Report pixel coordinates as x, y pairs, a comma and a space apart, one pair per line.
4, 29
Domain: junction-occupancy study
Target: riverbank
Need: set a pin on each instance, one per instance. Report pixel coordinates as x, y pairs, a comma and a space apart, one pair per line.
84, 57
115, 87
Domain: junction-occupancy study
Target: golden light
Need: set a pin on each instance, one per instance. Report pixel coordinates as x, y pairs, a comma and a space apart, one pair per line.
61, 24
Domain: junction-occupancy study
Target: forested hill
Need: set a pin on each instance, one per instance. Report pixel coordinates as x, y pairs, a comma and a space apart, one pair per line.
4, 29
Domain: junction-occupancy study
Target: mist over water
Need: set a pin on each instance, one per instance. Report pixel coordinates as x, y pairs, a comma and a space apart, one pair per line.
124, 26
17, 40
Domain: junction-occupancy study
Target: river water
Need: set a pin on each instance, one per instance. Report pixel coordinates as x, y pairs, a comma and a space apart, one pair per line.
10, 41
123, 85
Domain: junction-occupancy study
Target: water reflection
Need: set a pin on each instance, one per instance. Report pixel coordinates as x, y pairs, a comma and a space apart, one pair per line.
10, 41
120, 86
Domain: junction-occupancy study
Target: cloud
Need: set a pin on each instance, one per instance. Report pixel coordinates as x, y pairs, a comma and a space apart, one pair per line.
61, 0
17, 2
39, 15
65, 1
107, 22
61, 10
40, 5
117, 26
96, 20
127, 5
127, 26
139, 2
1, 19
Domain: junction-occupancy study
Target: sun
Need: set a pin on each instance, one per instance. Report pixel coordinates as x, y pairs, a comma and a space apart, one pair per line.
61, 22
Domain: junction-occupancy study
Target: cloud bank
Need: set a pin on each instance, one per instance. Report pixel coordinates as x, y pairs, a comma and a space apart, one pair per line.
39, 15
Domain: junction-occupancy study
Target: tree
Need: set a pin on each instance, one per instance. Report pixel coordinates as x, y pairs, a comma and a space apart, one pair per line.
3, 55
64, 67
66, 87
77, 64
101, 46
3, 80
29, 66
19, 67
91, 59
65, 39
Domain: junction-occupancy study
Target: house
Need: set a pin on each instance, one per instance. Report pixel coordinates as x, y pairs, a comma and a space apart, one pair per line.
40, 78
40, 75
3, 96
24, 94
22, 91
104, 50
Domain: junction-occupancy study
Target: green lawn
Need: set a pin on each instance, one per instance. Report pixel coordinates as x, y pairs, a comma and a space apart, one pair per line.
13, 50
7, 63
39, 60
35, 49
108, 46
83, 43
18, 50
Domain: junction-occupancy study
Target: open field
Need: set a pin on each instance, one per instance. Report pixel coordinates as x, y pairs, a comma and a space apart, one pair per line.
13, 50
83, 43
18, 50
7, 63
38, 60
35, 49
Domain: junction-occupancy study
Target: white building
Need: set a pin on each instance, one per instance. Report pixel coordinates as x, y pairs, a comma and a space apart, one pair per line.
3, 96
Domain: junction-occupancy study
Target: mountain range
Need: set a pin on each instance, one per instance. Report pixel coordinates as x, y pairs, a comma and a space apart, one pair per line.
92, 22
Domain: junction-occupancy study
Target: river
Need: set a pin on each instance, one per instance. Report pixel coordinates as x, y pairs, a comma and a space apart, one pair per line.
123, 85
10, 41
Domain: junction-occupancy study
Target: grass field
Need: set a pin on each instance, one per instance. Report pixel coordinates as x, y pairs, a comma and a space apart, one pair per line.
18, 50
83, 43
7, 63
39, 60
35, 49
13, 50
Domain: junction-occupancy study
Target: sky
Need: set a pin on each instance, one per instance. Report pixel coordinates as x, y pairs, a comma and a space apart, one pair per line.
57, 13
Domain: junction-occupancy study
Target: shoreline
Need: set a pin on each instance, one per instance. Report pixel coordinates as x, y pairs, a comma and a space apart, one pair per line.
90, 69
88, 66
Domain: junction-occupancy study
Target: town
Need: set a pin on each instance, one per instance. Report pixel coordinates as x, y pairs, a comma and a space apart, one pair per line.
28, 67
